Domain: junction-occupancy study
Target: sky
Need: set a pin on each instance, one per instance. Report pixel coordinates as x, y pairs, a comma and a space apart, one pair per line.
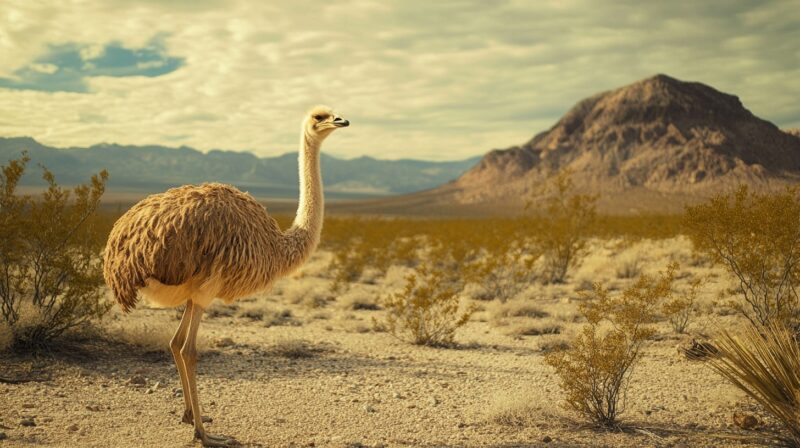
425, 79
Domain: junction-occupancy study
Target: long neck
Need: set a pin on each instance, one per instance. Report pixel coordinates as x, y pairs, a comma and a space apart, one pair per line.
304, 234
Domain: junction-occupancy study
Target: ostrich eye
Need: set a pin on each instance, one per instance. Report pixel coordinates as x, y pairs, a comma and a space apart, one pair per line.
318, 117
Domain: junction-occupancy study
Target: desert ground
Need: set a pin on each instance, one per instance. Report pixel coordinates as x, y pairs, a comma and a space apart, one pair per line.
303, 366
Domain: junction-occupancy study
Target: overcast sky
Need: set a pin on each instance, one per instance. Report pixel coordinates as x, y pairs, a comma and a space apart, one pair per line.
429, 79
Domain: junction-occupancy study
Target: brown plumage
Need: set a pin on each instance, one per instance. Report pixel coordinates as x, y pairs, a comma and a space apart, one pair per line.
192, 244
196, 233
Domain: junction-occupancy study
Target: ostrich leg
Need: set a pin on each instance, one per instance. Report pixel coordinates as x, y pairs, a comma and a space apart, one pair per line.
189, 357
175, 347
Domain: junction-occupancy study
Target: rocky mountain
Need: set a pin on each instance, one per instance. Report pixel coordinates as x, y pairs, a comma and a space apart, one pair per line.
153, 168
650, 145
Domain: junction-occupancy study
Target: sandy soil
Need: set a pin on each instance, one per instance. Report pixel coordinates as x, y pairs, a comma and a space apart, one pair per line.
300, 366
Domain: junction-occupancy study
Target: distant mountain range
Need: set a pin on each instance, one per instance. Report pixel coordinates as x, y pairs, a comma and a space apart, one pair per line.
154, 168
652, 145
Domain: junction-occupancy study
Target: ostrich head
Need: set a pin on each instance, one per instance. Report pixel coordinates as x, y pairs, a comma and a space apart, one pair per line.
321, 121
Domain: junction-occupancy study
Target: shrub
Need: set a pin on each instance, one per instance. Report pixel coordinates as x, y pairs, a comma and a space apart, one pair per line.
504, 270
764, 363
565, 227
426, 311
757, 238
50, 254
679, 310
595, 370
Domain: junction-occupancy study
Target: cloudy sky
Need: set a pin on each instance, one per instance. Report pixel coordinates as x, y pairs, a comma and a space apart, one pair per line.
430, 79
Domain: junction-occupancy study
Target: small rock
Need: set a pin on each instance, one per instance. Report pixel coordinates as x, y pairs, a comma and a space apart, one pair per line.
94, 408
695, 350
73, 427
745, 420
207, 419
177, 392
27, 422
369, 409
433, 401
397, 395
224, 342
546, 439
137, 380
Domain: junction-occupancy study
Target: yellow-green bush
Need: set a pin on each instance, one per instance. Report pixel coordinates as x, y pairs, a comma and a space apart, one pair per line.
757, 238
50, 251
565, 227
595, 370
427, 311
679, 309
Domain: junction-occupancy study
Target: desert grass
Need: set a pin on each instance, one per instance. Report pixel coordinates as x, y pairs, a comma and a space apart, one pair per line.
538, 328
513, 410
151, 336
296, 349
518, 308
359, 301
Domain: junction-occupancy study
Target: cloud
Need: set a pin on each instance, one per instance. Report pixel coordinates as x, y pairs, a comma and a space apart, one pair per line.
436, 80
66, 67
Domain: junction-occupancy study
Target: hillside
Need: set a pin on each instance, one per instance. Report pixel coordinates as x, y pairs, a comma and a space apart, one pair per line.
153, 168
651, 145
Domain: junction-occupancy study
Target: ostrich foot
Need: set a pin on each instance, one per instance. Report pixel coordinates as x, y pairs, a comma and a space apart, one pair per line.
215, 441
188, 418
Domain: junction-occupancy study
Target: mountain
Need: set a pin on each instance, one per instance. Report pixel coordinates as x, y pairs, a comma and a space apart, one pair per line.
153, 168
651, 145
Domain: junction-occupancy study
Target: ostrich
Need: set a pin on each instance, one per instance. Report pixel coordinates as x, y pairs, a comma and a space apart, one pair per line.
193, 244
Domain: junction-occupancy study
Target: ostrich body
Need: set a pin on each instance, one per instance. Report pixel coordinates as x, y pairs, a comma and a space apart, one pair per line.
192, 244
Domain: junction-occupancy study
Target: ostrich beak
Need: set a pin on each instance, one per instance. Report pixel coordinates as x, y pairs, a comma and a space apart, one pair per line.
340, 122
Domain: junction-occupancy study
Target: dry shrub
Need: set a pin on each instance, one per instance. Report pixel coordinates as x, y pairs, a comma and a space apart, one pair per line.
566, 226
151, 336
764, 363
359, 302
504, 269
680, 309
279, 318
518, 308
50, 256
628, 267
595, 370
221, 310
757, 238
295, 349
6, 337
535, 329
426, 311
553, 343
514, 410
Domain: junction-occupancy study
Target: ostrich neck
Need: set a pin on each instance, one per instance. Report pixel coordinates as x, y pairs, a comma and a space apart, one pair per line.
304, 234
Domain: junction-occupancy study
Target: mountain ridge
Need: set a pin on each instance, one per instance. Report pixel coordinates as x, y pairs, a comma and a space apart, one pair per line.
154, 167
659, 136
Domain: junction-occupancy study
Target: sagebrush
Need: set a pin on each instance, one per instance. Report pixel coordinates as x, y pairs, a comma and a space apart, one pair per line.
50, 256
565, 226
595, 370
756, 236
427, 311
